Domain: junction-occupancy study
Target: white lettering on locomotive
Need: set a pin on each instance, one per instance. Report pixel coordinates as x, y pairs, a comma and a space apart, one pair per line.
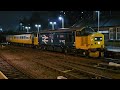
44, 39
62, 41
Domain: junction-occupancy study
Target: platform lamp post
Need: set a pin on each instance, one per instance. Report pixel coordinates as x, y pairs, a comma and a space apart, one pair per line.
20, 26
1, 29
53, 24
27, 29
38, 26
62, 19
98, 13
23, 27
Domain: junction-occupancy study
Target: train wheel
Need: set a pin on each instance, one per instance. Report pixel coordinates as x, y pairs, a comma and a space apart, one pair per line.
66, 51
86, 53
36, 46
43, 48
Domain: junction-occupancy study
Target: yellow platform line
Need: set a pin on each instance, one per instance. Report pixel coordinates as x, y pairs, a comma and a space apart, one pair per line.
2, 76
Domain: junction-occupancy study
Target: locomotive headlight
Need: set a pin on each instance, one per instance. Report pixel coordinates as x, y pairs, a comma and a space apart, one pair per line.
95, 38
98, 42
100, 38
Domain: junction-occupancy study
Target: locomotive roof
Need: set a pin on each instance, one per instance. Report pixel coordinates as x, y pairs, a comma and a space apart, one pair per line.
64, 30
59, 30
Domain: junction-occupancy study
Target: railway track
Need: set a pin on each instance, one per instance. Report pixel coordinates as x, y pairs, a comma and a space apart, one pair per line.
71, 71
10, 71
58, 70
71, 68
95, 69
95, 63
101, 66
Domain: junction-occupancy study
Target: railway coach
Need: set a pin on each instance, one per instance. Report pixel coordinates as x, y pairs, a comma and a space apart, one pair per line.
23, 39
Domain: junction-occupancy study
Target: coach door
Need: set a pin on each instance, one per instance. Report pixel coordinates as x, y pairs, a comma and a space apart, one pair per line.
33, 39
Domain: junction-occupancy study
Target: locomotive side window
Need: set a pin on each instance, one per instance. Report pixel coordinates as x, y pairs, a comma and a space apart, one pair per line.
78, 33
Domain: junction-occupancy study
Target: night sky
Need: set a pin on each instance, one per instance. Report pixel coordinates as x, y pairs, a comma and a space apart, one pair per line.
9, 19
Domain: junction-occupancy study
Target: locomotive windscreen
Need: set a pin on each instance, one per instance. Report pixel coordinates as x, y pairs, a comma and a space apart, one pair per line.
98, 38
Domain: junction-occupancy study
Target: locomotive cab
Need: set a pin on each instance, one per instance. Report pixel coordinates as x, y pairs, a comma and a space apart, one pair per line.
89, 42
82, 38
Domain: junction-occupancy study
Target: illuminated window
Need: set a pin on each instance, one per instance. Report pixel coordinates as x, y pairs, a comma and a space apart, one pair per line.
24, 37
118, 33
111, 34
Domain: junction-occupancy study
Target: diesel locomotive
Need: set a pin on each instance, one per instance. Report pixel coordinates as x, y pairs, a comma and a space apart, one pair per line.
83, 41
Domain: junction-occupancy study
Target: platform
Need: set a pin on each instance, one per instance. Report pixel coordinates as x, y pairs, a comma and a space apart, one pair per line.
113, 49
2, 76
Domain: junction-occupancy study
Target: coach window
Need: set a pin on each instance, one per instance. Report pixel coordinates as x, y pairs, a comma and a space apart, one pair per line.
35, 35
27, 38
21, 37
